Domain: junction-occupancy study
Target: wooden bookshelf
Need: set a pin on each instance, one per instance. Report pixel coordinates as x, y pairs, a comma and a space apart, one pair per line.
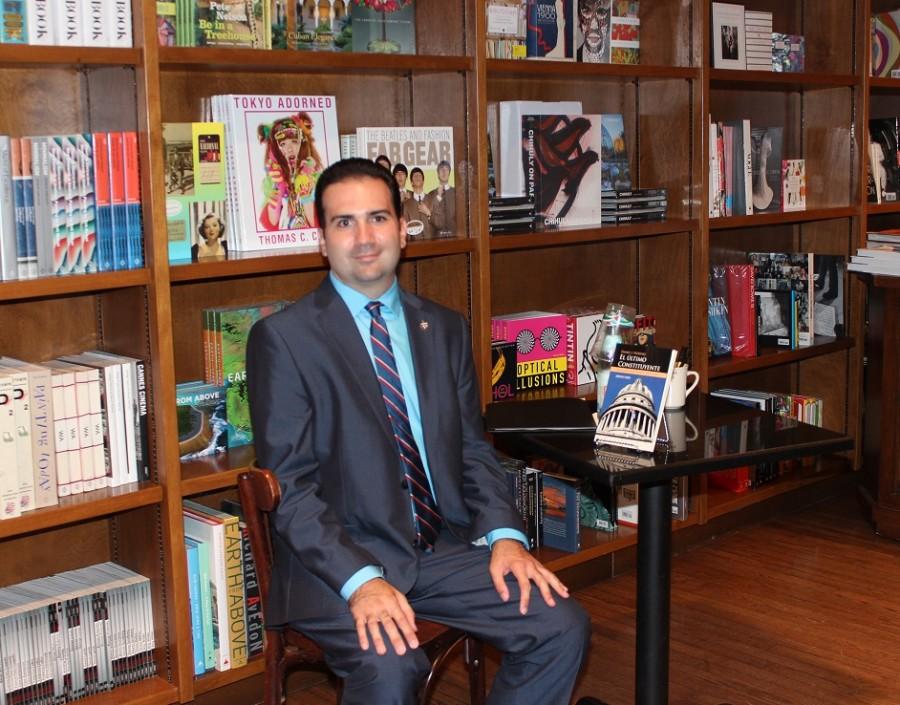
660, 268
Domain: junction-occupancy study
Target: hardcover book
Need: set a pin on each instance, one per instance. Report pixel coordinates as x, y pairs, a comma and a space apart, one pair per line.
550, 30
793, 179
788, 52
195, 190
503, 370
776, 318
828, 288
788, 272
231, 23
741, 309
202, 419
561, 155
561, 508
593, 30
885, 163
766, 154
582, 329
540, 346
886, 44
614, 167
727, 41
624, 33
277, 147
718, 327
633, 403
383, 26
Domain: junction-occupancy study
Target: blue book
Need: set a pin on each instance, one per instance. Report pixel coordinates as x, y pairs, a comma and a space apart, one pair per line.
193, 566
28, 203
117, 200
15, 23
206, 606
561, 500
103, 204
550, 27
135, 245
18, 182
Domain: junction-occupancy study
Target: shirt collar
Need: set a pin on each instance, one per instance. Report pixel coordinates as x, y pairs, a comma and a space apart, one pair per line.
356, 301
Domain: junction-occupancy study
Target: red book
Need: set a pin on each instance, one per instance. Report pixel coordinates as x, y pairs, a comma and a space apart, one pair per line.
741, 309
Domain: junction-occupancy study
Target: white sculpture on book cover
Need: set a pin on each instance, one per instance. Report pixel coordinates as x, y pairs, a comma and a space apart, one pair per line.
631, 415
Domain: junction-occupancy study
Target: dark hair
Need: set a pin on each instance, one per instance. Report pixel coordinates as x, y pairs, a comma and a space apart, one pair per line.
445, 163
203, 222
347, 169
416, 170
400, 167
383, 157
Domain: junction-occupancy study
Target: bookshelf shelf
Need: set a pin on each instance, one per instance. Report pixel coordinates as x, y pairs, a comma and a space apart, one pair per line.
153, 691
556, 238
46, 56
511, 68
84, 506
212, 680
771, 81
594, 544
214, 59
74, 284
764, 219
882, 84
882, 208
772, 357
215, 472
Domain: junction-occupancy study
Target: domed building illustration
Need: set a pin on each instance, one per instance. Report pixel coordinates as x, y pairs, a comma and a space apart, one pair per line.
632, 414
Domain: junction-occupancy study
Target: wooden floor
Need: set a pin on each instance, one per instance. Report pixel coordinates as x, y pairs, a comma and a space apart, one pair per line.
799, 610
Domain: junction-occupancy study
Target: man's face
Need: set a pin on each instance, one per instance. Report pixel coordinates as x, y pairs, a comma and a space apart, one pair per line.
400, 177
362, 236
417, 180
443, 173
593, 19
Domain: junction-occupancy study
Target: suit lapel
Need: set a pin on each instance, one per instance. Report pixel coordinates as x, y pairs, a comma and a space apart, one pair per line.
425, 357
336, 321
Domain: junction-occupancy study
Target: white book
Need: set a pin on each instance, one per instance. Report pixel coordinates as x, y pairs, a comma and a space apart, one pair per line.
8, 264
132, 398
114, 418
65, 408
86, 421
748, 167
118, 13
68, 23
10, 492
40, 22
21, 395
510, 124
43, 226
202, 528
95, 26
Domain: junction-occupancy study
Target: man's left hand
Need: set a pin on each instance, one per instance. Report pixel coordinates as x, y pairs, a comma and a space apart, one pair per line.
509, 556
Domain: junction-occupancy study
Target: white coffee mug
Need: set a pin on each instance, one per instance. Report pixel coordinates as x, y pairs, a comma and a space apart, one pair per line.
676, 425
678, 389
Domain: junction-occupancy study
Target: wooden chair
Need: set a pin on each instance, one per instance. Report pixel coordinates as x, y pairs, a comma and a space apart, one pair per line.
287, 649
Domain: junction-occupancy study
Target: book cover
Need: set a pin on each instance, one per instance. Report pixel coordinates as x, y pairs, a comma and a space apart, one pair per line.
231, 23
278, 147
789, 271
202, 420
632, 405
593, 30
561, 509
10, 485
740, 280
788, 52
582, 329
383, 26
503, 370
253, 606
562, 167
14, 22
728, 41
9, 267
625, 33
193, 572
776, 318
766, 155
540, 346
828, 294
886, 44
550, 30
209, 635
793, 179
40, 22
429, 191
718, 327
614, 167
885, 163
131, 164
196, 190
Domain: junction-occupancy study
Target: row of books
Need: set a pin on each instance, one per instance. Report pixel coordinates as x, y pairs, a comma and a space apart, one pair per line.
75, 634
69, 204
589, 31
743, 39
103, 23
70, 425
789, 407
778, 299
329, 25
223, 587
881, 255
747, 173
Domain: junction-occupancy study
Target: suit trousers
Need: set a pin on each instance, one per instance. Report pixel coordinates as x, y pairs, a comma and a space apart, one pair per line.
542, 650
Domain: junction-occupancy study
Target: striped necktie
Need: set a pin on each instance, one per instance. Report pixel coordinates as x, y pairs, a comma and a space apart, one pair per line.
427, 518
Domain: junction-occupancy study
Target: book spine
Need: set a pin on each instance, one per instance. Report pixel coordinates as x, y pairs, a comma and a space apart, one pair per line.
15, 22
43, 438
234, 577
120, 21
741, 309
18, 184
10, 491
131, 164
60, 236
88, 212
84, 424
61, 437
21, 407
68, 29
73, 448
117, 199
100, 431
93, 22
252, 597
142, 431
28, 204
572, 350
9, 269
42, 208
106, 260
209, 649
74, 229
40, 23
193, 569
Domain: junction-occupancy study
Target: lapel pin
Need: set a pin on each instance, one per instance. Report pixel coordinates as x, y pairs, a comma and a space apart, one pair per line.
423, 325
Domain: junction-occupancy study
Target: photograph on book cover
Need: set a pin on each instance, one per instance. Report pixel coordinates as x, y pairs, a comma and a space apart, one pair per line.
728, 36
765, 147
592, 37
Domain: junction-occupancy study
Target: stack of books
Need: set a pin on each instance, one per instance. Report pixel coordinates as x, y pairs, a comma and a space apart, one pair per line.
633, 206
758, 32
511, 214
881, 255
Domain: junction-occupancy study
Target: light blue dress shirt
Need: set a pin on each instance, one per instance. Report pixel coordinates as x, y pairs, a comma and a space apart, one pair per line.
392, 311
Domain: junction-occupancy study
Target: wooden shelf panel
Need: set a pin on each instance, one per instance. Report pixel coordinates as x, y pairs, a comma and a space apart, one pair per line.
720, 502
87, 505
761, 219
215, 472
594, 544
152, 691
772, 81
771, 357
569, 236
883, 84
261, 262
212, 680
566, 69
46, 56
21, 290
288, 61
879, 208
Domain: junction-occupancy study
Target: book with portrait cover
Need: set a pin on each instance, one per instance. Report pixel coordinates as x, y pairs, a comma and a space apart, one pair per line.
562, 166
633, 404
277, 147
195, 183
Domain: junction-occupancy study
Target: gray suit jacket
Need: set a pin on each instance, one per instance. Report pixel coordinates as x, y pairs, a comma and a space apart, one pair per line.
320, 424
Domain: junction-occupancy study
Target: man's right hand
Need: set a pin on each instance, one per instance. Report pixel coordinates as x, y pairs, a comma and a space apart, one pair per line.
376, 606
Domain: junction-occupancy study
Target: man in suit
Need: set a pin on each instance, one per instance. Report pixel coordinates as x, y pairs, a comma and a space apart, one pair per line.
416, 209
442, 201
361, 547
